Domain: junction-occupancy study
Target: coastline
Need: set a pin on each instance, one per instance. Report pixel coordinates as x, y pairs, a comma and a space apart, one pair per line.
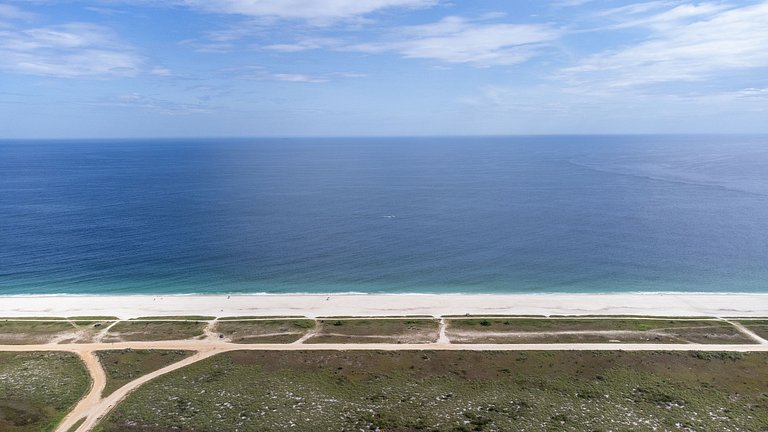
315, 305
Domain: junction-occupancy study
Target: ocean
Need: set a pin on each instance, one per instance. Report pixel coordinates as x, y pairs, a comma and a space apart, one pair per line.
581, 214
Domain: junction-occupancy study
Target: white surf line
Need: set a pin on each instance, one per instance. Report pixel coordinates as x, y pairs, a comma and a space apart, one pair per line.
752, 335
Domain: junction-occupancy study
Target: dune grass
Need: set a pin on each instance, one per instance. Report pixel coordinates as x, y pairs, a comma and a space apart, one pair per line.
454, 391
38, 389
124, 366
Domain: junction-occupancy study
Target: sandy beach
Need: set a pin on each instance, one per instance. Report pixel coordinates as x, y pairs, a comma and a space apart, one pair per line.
666, 304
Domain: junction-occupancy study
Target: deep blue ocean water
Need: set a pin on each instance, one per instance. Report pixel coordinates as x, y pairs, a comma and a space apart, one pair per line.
519, 214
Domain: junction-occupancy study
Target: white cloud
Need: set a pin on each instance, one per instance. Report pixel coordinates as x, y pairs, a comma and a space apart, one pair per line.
632, 16
69, 50
11, 12
258, 73
570, 3
161, 71
305, 44
303, 9
153, 104
458, 40
694, 43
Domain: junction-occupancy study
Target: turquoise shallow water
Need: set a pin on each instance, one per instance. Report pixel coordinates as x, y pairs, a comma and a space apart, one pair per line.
471, 215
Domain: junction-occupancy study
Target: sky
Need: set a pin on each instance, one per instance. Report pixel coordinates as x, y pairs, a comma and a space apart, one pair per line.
221, 68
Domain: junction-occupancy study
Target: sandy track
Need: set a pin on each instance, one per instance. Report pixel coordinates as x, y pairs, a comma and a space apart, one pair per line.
86, 404
96, 411
748, 332
197, 345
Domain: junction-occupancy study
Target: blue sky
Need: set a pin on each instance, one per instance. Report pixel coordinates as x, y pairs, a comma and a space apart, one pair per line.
142, 68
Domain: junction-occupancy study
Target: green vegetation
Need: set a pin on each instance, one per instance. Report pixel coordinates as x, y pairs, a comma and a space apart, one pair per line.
175, 318
760, 327
124, 366
77, 425
492, 316
329, 317
154, 330
32, 332
454, 391
241, 318
38, 389
38, 332
376, 331
564, 330
93, 318
264, 331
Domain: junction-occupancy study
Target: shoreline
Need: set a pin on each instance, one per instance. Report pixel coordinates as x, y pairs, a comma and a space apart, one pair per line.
314, 305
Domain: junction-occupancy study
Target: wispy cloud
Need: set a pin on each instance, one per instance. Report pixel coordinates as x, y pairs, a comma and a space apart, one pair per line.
659, 15
687, 43
68, 50
153, 104
570, 3
258, 73
315, 11
161, 71
459, 40
305, 44
11, 12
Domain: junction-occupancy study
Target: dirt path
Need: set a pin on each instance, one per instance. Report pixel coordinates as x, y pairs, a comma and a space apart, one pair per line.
752, 335
86, 404
103, 332
208, 331
93, 408
312, 332
96, 410
442, 337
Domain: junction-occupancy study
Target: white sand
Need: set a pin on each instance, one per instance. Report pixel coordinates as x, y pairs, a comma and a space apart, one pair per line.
668, 304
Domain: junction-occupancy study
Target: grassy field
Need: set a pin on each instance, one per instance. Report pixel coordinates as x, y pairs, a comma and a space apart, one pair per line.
760, 327
256, 317
37, 332
454, 391
175, 318
124, 366
376, 331
155, 330
37, 389
564, 330
264, 331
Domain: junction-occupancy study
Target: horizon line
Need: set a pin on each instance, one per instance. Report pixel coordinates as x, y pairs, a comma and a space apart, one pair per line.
298, 137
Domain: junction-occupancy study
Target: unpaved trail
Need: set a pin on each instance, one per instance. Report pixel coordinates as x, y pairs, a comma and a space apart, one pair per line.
86, 404
103, 332
442, 337
754, 336
101, 407
312, 332
208, 331
204, 345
